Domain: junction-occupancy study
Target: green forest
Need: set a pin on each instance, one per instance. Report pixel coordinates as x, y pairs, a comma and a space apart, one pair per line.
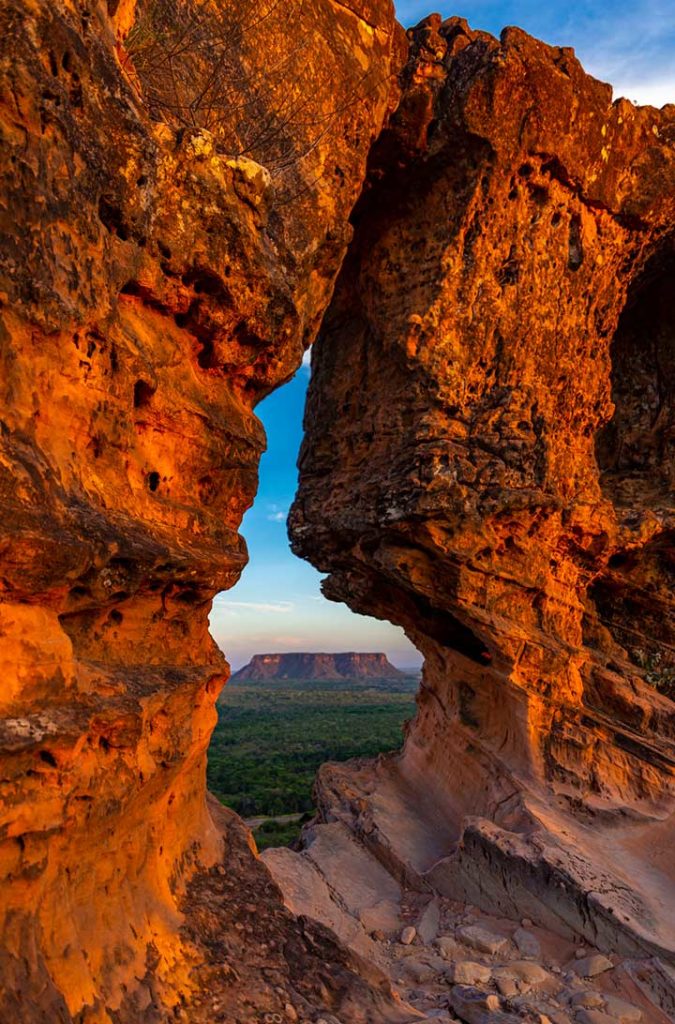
271, 739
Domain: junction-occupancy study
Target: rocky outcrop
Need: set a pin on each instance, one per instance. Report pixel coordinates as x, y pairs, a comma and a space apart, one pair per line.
350, 665
164, 266
488, 463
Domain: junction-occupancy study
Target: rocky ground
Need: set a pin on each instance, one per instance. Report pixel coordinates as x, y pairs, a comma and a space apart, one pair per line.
450, 961
456, 963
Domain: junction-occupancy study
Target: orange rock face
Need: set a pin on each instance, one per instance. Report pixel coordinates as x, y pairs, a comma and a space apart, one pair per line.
163, 268
489, 463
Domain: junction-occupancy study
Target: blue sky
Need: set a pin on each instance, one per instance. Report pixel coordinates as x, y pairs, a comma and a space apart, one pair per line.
277, 605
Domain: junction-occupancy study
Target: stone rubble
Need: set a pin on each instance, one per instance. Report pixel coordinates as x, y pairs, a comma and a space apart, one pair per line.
475, 973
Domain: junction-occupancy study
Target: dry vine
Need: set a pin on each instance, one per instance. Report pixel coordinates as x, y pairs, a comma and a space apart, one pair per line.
242, 71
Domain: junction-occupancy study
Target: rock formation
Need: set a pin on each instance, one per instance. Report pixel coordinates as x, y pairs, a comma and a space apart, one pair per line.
163, 268
349, 665
488, 463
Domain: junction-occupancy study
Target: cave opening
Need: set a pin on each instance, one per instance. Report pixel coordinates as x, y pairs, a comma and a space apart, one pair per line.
635, 449
273, 735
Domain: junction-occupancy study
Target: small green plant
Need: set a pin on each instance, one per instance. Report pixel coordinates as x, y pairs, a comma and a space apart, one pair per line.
279, 833
657, 672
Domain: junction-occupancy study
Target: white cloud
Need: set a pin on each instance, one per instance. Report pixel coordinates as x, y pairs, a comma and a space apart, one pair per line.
277, 517
653, 94
306, 360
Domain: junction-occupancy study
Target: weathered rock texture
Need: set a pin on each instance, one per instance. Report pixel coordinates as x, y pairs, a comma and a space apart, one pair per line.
350, 665
157, 280
489, 463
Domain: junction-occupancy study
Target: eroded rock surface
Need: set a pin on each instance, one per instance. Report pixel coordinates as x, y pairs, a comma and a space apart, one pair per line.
163, 268
489, 463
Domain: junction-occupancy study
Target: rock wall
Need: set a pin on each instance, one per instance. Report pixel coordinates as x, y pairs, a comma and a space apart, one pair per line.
163, 268
489, 463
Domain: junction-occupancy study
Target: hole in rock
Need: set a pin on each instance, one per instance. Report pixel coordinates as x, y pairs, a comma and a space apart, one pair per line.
205, 282
110, 215
153, 480
634, 450
143, 393
275, 732
207, 356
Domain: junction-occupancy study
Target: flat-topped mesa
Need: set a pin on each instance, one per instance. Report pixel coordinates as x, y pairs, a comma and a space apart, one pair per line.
175, 218
488, 462
300, 665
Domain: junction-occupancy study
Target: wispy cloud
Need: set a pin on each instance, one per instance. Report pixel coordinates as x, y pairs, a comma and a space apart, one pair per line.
280, 607
276, 517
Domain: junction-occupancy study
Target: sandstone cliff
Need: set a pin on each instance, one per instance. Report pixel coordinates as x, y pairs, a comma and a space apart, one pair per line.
350, 665
163, 268
489, 463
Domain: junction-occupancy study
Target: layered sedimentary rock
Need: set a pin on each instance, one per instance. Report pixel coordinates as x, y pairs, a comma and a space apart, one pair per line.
350, 665
163, 268
489, 463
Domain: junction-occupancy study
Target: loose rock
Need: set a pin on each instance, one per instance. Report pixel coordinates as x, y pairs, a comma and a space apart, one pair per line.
625, 1012
447, 946
591, 966
595, 1017
466, 972
527, 943
475, 1007
478, 937
427, 926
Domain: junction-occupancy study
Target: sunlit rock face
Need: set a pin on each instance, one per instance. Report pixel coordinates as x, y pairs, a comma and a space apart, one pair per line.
163, 268
489, 463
